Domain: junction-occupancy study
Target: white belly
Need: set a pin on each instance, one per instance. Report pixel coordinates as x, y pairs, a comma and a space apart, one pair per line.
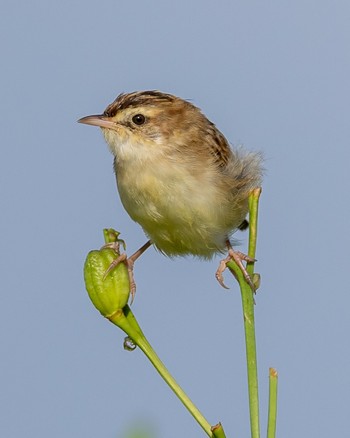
180, 212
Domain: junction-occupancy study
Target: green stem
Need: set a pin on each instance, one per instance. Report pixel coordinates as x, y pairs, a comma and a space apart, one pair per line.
218, 431
271, 424
127, 322
249, 327
248, 316
158, 364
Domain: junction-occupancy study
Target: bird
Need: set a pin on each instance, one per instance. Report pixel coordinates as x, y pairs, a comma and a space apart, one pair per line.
178, 177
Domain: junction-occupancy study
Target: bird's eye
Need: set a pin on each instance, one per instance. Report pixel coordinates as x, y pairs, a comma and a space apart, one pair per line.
139, 119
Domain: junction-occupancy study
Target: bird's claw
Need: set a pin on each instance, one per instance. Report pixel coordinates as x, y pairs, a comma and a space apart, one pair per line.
237, 257
129, 262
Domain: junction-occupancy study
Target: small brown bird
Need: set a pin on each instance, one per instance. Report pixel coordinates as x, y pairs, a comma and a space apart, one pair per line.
177, 176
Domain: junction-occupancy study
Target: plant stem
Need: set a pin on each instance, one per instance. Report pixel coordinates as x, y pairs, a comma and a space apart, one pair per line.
218, 431
160, 367
249, 328
271, 424
248, 316
127, 322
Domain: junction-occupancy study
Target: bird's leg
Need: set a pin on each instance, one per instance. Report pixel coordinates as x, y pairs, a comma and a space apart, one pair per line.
129, 262
237, 257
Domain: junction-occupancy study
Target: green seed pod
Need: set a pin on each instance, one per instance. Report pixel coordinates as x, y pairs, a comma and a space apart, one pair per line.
111, 293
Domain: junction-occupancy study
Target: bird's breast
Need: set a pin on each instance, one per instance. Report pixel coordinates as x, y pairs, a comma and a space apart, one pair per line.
182, 212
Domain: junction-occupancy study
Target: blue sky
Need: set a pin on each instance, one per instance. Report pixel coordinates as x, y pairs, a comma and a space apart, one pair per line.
273, 76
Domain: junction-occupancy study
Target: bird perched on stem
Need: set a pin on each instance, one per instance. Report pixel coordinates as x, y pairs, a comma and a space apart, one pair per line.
177, 176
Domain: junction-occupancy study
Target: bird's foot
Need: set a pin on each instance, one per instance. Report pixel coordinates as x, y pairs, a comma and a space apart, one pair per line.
129, 263
238, 257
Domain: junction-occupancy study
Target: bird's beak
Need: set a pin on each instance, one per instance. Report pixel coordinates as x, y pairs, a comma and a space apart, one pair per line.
98, 120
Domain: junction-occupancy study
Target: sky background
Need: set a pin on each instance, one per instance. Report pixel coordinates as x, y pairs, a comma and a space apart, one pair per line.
273, 76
